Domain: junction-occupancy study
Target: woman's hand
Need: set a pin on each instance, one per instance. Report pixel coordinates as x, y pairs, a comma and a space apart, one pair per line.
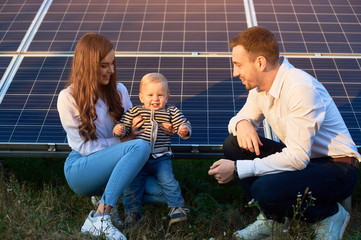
138, 121
167, 128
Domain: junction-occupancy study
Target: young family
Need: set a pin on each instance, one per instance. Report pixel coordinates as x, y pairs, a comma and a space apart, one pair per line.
123, 152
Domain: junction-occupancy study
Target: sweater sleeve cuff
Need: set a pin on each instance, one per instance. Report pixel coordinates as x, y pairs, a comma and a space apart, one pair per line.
245, 168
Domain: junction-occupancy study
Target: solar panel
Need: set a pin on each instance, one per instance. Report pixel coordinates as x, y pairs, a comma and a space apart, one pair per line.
187, 42
16, 17
4, 63
143, 26
208, 102
320, 26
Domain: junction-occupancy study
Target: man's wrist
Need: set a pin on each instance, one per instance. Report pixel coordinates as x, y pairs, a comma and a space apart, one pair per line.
235, 170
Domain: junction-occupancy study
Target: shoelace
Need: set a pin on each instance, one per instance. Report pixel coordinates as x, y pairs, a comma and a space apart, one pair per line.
178, 210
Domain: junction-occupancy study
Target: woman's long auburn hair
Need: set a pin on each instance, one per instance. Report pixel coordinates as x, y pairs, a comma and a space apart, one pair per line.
83, 81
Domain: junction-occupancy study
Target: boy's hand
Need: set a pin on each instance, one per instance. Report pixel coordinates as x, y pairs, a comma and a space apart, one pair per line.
118, 130
183, 131
137, 122
167, 128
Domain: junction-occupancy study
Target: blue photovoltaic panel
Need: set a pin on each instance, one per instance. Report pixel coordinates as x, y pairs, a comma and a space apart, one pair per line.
30, 104
4, 63
201, 87
143, 26
15, 19
313, 26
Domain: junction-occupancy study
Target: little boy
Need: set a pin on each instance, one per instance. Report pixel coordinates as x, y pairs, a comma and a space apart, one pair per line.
154, 94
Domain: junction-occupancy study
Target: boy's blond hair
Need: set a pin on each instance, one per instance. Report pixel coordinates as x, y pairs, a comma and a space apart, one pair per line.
153, 78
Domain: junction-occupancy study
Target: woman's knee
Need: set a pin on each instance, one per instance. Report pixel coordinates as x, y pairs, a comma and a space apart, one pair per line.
141, 145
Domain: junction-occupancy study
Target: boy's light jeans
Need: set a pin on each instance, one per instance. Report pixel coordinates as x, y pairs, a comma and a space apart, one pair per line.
165, 188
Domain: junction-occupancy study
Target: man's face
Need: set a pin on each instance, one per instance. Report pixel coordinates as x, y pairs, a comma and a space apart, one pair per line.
244, 68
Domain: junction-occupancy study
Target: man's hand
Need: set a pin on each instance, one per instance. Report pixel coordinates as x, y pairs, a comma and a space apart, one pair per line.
222, 170
247, 137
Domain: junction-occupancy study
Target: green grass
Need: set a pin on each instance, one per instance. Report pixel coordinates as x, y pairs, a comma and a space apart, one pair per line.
36, 203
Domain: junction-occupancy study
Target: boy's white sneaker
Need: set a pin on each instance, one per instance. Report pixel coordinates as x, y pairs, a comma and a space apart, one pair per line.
96, 226
333, 227
261, 228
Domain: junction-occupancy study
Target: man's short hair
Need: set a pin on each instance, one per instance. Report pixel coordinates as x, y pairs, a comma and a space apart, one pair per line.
258, 41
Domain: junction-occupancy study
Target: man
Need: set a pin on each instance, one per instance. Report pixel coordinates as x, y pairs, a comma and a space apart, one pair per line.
317, 152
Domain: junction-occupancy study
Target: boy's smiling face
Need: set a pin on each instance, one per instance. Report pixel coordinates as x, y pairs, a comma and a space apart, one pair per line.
154, 95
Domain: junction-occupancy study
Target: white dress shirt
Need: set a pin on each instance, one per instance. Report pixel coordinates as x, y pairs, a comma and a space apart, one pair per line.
69, 117
302, 115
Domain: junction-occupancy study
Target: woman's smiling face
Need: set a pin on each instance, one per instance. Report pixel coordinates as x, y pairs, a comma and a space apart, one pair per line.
106, 68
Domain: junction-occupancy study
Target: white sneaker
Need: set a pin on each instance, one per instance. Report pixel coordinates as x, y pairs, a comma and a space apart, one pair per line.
96, 226
261, 228
333, 227
113, 212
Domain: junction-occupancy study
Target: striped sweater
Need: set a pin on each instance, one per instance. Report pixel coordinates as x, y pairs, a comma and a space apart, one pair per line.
158, 140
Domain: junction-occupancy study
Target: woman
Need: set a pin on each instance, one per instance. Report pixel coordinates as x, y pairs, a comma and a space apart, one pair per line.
88, 107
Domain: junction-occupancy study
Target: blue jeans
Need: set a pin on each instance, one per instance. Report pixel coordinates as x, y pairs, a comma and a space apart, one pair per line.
161, 169
329, 182
106, 172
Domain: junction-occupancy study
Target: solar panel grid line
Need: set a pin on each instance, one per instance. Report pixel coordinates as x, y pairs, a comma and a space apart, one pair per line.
348, 97
322, 32
58, 28
163, 28
15, 18
358, 21
9, 75
22, 110
121, 26
214, 112
15, 63
230, 67
54, 99
24, 45
329, 40
303, 39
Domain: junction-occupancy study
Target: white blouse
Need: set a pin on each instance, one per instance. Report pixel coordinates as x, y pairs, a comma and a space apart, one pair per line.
69, 117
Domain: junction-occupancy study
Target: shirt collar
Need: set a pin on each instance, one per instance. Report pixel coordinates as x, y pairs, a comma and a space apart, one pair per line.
276, 87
